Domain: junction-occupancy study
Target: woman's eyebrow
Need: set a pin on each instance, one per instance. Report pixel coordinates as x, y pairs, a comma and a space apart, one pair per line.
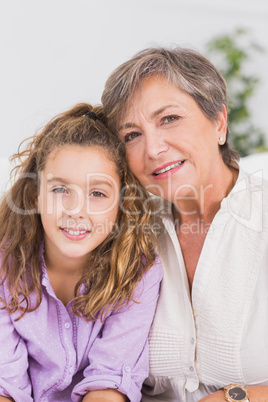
161, 110
152, 115
126, 125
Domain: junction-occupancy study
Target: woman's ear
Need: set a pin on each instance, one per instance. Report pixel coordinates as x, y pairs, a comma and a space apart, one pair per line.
222, 126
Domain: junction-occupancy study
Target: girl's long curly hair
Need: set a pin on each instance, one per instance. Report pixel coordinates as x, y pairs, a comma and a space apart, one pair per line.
116, 265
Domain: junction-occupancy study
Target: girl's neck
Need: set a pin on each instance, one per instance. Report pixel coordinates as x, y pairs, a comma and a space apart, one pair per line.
64, 266
63, 276
57, 262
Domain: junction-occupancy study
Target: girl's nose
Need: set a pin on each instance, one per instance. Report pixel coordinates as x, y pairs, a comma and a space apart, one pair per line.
75, 205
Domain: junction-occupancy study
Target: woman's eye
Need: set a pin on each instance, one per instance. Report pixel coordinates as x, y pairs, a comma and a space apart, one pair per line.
169, 119
60, 190
97, 194
131, 136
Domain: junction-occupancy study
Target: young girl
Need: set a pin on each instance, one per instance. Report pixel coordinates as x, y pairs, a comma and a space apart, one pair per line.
77, 296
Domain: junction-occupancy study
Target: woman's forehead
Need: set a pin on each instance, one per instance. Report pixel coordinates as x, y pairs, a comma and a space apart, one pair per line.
156, 93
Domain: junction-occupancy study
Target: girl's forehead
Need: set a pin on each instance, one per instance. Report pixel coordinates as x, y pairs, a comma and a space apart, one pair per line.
77, 148
79, 163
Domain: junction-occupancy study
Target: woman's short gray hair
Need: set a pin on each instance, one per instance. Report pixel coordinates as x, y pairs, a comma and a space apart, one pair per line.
185, 68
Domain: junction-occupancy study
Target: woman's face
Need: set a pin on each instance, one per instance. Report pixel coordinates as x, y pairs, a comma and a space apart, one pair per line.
172, 147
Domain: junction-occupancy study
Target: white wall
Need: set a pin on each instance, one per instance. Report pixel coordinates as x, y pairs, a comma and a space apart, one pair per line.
55, 53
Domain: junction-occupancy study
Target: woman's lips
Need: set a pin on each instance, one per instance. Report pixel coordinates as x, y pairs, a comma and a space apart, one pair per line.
167, 169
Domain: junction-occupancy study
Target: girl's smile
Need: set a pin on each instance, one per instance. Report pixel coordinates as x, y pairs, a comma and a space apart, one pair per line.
74, 234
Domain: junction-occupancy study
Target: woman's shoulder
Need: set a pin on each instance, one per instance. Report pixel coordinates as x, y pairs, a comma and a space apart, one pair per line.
256, 164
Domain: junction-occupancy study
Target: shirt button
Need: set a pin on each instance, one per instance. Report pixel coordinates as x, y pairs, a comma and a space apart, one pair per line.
192, 341
191, 368
127, 368
67, 325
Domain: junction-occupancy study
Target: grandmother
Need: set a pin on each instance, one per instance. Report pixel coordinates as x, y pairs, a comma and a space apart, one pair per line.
209, 339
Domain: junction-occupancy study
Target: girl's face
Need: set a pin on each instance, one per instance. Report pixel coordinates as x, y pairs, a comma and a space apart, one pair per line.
172, 147
78, 201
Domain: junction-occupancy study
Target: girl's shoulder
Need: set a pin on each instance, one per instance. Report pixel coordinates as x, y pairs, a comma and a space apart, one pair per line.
151, 278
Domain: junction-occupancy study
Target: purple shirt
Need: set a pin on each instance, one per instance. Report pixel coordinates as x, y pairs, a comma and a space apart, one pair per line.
53, 355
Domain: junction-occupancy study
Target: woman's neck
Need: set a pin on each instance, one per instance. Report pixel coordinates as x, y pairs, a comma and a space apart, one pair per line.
203, 205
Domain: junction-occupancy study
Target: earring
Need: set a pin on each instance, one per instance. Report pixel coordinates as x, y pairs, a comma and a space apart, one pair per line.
220, 139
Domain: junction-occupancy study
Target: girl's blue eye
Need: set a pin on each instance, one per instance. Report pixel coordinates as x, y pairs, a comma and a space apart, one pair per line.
131, 136
97, 194
60, 190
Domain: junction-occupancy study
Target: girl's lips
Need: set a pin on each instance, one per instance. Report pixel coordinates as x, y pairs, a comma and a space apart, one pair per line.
75, 234
167, 169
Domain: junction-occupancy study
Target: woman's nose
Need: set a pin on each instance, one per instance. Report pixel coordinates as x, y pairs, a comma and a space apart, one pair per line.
155, 145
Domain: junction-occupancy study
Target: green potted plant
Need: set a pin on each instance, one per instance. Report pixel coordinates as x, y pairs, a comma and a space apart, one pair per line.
230, 54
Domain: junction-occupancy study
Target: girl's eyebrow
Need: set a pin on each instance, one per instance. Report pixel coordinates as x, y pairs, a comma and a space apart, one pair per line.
97, 182
57, 179
154, 114
93, 181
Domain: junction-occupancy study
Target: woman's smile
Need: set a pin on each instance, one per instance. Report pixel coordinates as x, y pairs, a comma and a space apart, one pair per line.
167, 169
